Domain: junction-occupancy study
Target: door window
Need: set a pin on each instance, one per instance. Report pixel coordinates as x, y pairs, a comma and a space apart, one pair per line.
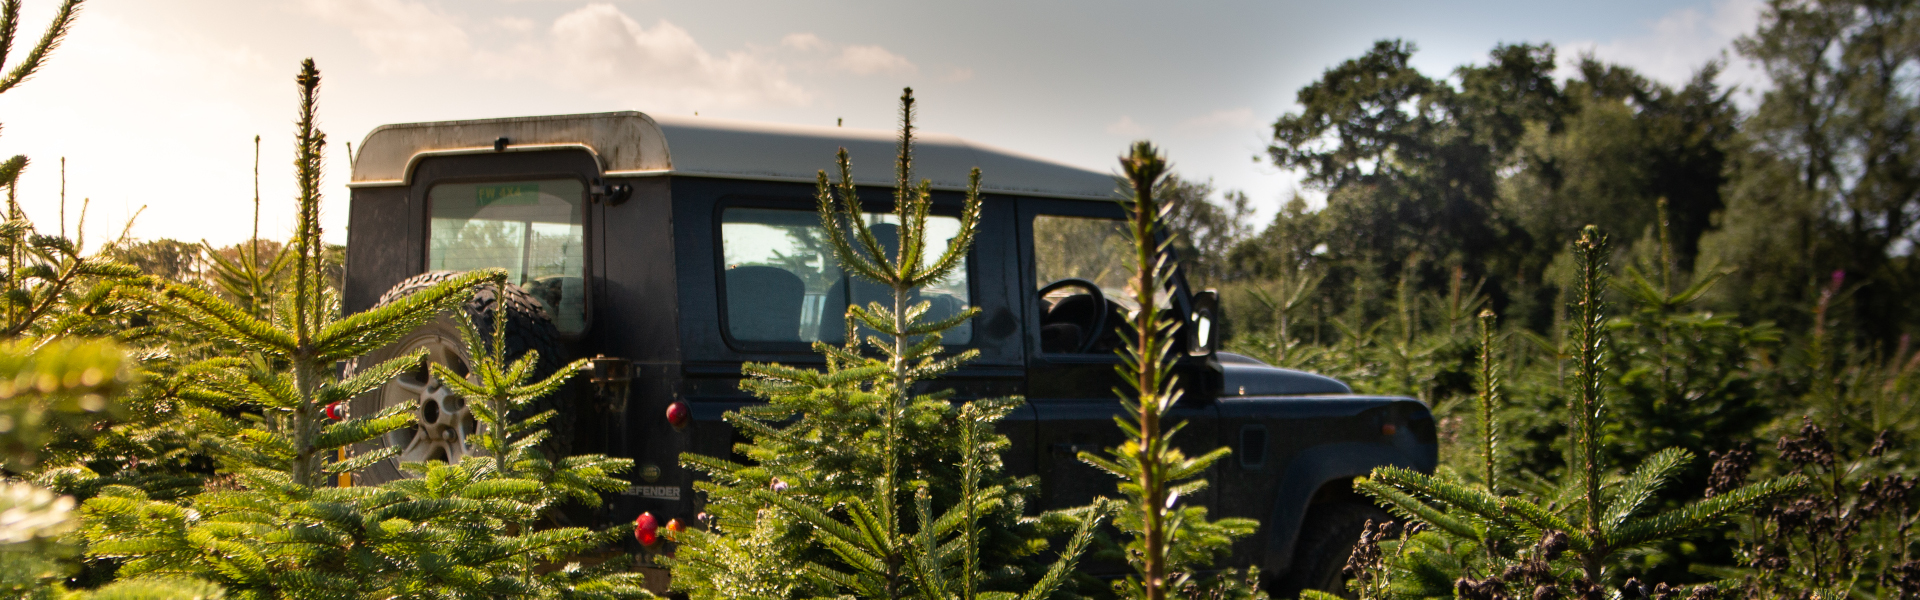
1083, 269
784, 285
530, 228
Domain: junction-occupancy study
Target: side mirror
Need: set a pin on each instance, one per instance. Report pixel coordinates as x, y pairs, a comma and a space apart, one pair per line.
1203, 324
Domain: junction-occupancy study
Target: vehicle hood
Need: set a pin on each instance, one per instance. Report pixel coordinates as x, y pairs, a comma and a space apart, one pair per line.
1246, 376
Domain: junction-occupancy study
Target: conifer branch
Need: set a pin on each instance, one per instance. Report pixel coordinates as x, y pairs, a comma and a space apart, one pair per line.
1591, 253
56, 31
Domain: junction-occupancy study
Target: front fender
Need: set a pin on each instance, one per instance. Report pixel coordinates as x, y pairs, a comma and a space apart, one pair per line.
1318, 467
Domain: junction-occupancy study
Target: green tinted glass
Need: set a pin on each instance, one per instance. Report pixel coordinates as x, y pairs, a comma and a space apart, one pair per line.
530, 228
783, 284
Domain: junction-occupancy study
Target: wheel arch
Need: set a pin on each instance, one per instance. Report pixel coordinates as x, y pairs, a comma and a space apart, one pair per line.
1319, 475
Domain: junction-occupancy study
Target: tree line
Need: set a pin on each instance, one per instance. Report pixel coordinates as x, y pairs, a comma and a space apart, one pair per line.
1489, 172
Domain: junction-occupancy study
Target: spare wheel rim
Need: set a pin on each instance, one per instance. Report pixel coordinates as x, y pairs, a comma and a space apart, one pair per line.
444, 427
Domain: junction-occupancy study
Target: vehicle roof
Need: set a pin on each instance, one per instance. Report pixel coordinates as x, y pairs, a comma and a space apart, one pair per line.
635, 144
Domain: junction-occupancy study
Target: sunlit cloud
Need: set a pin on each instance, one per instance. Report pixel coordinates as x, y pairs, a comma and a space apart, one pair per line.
1223, 119
1673, 47
404, 36
803, 41
662, 65
870, 60
1126, 126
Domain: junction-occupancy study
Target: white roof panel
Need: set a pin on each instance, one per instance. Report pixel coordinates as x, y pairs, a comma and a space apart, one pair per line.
633, 144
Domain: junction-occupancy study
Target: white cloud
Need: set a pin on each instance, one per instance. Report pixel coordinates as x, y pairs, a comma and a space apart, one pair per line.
404, 36
803, 41
515, 24
1674, 46
958, 74
1225, 118
871, 60
601, 50
660, 65
1126, 126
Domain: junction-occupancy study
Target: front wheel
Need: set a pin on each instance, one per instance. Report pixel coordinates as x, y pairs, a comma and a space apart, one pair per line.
445, 428
1326, 540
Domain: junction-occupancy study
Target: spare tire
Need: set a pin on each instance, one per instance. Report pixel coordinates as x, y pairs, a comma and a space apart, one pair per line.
444, 426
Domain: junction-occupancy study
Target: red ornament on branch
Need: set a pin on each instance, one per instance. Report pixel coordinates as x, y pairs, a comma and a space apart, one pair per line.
646, 529
678, 415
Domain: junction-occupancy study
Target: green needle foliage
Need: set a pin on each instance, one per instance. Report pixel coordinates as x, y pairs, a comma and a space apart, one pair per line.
66, 383
1564, 538
465, 530
1168, 542
858, 485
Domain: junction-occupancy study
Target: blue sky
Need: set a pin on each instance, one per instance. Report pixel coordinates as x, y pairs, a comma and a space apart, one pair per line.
156, 104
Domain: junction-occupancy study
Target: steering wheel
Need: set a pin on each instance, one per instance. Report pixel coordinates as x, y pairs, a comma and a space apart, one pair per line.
1098, 326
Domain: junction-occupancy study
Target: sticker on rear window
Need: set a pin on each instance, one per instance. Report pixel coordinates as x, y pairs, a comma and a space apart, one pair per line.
513, 194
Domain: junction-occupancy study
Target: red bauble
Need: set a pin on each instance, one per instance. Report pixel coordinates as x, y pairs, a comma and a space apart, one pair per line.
678, 415
335, 411
646, 529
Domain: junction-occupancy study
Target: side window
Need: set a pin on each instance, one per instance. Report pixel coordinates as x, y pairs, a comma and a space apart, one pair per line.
783, 284
1082, 271
530, 228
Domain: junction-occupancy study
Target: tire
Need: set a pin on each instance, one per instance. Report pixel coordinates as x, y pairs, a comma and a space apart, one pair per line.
447, 437
1327, 538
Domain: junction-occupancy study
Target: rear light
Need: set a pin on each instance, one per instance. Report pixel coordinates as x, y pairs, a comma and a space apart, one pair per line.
1389, 429
678, 415
646, 529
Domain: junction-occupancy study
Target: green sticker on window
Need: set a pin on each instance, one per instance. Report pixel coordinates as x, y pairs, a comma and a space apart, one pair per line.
512, 194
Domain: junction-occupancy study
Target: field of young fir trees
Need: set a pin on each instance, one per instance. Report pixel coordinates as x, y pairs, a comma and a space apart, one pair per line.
1667, 338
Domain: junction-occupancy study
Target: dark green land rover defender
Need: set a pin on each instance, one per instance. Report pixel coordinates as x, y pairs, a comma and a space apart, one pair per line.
671, 250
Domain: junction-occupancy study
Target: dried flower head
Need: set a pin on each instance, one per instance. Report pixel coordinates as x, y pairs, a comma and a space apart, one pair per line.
1886, 440
1490, 588
1730, 469
1811, 448
1552, 545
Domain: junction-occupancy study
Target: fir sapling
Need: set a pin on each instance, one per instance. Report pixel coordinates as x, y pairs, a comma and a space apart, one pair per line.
1567, 539
248, 278
308, 336
852, 489
1169, 541
524, 485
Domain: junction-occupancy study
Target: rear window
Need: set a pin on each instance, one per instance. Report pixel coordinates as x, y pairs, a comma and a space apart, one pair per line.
782, 283
530, 228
